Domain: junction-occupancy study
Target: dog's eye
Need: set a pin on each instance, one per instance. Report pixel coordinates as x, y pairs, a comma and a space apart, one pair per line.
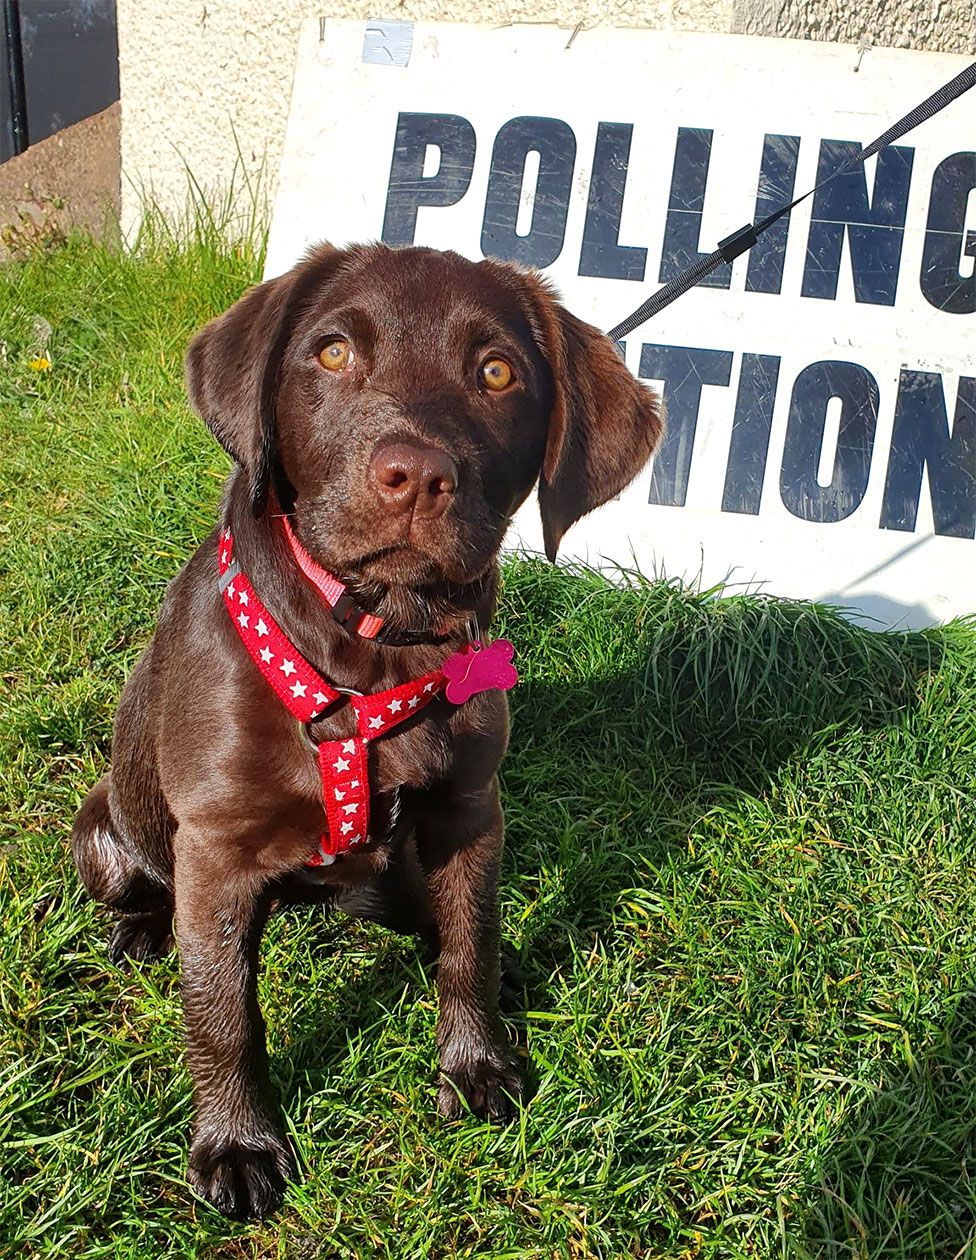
496, 374
336, 356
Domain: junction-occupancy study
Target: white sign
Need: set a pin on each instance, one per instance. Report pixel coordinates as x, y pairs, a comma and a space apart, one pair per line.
821, 390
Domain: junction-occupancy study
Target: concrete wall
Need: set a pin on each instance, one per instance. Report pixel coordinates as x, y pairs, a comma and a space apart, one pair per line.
79, 166
205, 84
935, 25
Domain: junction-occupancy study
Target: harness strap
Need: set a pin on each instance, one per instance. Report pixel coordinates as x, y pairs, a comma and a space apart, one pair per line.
343, 763
300, 688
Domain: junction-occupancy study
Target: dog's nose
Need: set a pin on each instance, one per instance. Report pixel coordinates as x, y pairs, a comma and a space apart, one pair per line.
421, 478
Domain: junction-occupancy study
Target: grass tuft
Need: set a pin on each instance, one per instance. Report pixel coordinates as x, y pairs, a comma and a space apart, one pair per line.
738, 873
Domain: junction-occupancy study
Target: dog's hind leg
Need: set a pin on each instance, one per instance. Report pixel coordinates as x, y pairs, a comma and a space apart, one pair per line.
396, 899
113, 875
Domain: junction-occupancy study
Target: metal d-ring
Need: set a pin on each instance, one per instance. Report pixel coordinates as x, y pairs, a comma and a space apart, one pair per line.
307, 726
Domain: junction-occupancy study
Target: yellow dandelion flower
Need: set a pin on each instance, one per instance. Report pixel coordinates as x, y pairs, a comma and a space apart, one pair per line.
40, 363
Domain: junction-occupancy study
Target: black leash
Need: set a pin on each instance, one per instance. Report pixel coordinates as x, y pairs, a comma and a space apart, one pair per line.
732, 246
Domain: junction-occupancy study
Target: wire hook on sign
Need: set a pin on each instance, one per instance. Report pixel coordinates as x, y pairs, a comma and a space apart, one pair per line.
732, 246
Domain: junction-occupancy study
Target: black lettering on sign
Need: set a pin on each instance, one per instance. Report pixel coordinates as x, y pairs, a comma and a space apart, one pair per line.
751, 427
601, 253
921, 440
683, 370
874, 230
686, 201
555, 144
800, 489
777, 179
946, 240
409, 187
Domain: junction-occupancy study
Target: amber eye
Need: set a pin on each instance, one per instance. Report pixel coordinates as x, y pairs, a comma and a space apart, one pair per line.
496, 374
336, 356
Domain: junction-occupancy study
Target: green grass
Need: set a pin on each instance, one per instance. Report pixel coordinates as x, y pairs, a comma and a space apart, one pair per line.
739, 873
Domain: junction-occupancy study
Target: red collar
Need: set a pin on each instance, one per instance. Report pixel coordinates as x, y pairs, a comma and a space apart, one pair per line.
307, 694
349, 615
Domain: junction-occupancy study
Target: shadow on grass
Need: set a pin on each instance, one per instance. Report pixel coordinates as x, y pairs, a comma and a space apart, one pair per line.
646, 707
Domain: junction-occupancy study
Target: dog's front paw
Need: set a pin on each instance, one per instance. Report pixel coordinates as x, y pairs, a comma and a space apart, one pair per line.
491, 1085
243, 1178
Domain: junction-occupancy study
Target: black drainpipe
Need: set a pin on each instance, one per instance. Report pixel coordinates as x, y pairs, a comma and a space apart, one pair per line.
14, 54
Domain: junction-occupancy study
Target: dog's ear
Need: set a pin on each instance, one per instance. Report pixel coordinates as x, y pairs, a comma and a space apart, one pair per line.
604, 425
233, 363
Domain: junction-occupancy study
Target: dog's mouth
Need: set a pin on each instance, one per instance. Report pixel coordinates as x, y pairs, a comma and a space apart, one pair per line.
408, 561
407, 571
418, 580
412, 590
395, 564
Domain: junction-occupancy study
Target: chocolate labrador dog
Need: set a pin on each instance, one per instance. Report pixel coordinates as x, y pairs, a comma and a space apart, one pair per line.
388, 410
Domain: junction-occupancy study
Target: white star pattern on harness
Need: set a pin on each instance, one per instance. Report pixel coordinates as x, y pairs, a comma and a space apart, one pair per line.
346, 798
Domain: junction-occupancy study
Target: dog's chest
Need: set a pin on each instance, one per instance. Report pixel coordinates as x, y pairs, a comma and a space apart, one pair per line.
354, 791
415, 755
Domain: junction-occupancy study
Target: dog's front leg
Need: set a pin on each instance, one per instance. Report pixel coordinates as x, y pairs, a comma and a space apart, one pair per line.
238, 1159
459, 840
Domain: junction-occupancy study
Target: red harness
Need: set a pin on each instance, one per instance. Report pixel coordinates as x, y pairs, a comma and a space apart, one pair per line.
307, 695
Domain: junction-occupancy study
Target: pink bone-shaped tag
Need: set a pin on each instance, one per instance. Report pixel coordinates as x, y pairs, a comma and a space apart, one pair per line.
479, 668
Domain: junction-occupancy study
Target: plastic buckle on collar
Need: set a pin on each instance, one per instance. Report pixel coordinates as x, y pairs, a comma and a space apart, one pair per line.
351, 617
344, 607
384, 634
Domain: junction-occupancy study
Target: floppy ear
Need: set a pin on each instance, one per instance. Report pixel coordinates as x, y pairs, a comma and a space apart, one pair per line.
604, 425
233, 363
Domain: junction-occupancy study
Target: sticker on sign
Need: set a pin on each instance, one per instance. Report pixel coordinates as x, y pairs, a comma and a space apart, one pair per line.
821, 390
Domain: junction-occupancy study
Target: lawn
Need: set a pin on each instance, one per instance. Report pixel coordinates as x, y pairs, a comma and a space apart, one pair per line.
739, 877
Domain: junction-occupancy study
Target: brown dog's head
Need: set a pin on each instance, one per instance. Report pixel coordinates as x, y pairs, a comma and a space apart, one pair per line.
403, 403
